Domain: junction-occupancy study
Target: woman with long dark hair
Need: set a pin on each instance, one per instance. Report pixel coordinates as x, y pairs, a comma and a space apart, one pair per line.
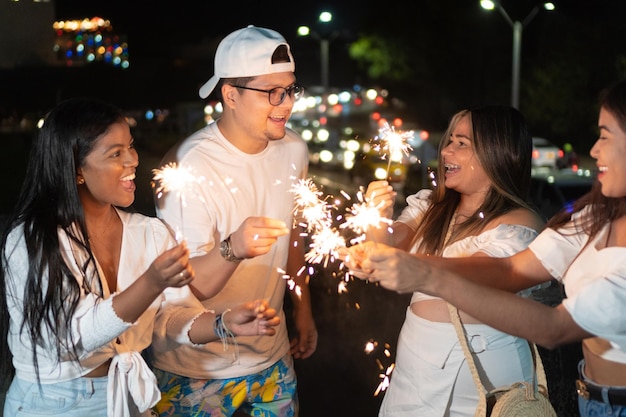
82, 279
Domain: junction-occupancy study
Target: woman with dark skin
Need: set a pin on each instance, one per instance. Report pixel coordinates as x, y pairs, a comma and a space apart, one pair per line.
82, 280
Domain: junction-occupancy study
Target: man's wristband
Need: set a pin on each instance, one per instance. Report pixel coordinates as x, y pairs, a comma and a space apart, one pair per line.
226, 250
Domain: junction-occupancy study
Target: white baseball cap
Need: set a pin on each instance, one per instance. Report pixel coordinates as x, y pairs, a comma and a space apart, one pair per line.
247, 52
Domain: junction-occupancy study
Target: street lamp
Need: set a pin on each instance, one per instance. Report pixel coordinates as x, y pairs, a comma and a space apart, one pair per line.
324, 17
517, 40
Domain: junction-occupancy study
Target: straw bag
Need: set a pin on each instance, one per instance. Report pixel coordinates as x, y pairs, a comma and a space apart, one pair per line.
520, 399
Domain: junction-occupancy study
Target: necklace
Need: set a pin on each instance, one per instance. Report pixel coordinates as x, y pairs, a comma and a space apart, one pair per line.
103, 231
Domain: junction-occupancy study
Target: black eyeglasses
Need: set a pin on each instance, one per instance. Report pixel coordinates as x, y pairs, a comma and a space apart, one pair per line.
278, 94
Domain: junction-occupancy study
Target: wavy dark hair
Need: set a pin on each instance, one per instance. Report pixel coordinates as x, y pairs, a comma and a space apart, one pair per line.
603, 209
49, 202
503, 145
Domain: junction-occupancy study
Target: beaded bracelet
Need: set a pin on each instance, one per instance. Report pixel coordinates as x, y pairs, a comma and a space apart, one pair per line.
225, 334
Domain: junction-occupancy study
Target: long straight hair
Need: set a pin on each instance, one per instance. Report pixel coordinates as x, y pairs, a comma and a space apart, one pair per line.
49, 203
503, 146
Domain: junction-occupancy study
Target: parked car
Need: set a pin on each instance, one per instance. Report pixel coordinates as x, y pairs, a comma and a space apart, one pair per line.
550, 192
545, 153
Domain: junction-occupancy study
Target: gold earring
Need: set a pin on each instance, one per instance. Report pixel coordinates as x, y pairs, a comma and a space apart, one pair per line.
81, 181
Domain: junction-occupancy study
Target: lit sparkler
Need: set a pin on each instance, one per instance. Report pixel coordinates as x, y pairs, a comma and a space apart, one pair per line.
362, 216
393, 142
313, 209
325, 245
173, 178
316, 217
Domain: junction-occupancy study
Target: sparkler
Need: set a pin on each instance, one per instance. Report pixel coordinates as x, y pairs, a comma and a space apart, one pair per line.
325, 245
362, 216
173, 178
393, 142
313, 209
316, 215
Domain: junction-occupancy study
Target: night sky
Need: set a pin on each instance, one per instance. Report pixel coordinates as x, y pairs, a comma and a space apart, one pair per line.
186, 20
460, 54
160, 27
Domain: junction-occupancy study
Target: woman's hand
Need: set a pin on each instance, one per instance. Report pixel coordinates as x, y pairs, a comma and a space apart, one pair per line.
394, 269
382, 196
171, 268
354, 256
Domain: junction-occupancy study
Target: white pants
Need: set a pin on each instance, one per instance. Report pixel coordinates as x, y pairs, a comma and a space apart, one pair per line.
431, 378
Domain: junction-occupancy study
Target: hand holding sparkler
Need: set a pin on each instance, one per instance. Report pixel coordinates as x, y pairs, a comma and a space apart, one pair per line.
354, 256
382, 195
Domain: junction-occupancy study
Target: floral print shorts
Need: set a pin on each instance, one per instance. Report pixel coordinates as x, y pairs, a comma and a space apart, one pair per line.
269, 393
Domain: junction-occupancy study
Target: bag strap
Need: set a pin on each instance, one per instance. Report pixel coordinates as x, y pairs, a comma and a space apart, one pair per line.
481, 410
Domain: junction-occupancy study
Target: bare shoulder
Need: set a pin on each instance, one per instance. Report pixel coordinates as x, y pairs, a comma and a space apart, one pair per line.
522, 217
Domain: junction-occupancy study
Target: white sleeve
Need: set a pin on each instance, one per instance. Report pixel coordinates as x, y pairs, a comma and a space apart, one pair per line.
504, 240
599, 307
94, 322
557, 249
417, 204
179, 309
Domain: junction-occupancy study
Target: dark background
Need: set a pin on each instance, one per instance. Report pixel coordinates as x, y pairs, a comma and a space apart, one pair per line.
434, 56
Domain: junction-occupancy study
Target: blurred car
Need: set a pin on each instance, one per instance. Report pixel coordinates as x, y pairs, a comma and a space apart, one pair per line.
569, 159
551, 192
545, 153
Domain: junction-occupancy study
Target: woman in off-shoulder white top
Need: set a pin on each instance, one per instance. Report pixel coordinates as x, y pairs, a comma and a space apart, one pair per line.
477, 208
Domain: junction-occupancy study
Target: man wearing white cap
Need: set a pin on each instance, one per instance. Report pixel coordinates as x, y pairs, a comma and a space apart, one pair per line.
238, 224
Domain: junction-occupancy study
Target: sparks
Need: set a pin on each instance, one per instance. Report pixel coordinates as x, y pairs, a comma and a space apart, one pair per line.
178, 179
362, 216
325, 245
172, 178
393, 143
313, 209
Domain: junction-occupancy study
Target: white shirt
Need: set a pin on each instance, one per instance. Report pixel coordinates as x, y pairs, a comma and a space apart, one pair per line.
99, 333
594, 277
500, 241
234, 186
